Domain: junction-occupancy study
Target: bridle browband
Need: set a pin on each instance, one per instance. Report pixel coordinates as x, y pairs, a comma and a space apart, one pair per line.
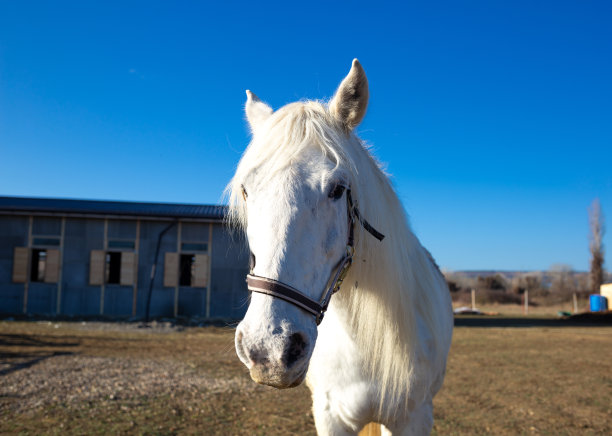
274, 288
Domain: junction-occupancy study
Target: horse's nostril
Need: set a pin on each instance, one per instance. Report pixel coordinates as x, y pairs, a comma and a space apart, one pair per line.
295, 350
242, 355
249, 355
258, 357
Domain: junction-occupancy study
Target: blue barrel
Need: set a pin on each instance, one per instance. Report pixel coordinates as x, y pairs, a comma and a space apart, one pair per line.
598, 303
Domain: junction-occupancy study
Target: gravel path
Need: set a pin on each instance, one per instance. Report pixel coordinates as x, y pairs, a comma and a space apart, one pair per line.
33, 380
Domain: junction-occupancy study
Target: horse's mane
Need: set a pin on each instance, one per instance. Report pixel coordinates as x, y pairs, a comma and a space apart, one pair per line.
394, 283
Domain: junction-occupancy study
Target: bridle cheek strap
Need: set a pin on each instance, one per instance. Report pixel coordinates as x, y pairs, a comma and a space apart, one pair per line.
274, 288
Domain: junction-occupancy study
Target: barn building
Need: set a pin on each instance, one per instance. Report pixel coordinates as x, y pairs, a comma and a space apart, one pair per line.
106, 258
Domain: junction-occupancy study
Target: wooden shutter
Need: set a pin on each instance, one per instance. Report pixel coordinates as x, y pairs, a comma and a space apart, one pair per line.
128, 268
52, 268
201, 271
20, 264
97, 262
171, 261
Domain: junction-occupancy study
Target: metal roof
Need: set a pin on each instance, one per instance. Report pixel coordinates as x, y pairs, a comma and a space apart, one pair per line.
57, 206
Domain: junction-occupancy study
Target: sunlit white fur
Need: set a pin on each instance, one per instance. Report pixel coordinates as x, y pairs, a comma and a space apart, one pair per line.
380, 352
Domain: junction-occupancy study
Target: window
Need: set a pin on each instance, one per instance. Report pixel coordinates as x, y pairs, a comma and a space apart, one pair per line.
52, 242
187, 270
190, 270
118, 243
38, 265
113, 267
194, 246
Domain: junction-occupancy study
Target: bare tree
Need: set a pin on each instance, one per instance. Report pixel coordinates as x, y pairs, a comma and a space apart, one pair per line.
597, 225
563, 280
531, 281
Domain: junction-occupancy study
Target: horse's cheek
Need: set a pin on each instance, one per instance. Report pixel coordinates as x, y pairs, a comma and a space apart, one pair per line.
330, 241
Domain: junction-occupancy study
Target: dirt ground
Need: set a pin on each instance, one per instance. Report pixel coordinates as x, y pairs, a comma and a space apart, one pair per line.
101, 378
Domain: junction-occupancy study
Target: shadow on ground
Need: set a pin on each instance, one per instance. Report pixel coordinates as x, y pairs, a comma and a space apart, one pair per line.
15, 351
579, 320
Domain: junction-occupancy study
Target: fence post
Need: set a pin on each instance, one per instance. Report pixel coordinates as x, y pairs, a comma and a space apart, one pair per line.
526, 308
473, 299
575, 298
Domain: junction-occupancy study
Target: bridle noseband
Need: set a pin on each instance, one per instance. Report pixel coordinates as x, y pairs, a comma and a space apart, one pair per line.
274, 288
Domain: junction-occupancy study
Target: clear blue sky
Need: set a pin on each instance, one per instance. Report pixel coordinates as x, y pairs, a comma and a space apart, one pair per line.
494, 117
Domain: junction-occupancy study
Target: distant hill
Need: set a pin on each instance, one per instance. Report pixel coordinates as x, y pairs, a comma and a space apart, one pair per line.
472, 274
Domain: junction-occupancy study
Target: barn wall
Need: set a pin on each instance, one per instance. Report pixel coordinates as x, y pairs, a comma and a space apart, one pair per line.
122, 229
80, 237
119, 299
192, 300
162, 298
13, 233
42, 297
47, 226
230, 265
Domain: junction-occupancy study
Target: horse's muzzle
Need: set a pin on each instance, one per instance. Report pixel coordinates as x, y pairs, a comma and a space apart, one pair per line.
284, 380
284, 369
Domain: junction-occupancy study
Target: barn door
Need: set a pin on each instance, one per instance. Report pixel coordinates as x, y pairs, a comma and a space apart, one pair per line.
128, 268
97, 262
20, 264
201, 271
171, 266
52, 268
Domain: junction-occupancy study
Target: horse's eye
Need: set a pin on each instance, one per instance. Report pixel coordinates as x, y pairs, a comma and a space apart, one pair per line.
337, 192
244, 193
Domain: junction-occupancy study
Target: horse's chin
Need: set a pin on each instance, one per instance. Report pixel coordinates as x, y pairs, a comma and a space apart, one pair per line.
278, 381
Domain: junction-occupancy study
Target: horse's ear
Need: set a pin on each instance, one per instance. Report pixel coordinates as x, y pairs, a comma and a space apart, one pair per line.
256, 110
351, 99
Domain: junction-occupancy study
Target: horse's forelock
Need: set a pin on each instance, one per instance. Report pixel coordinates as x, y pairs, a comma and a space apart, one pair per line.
280, 141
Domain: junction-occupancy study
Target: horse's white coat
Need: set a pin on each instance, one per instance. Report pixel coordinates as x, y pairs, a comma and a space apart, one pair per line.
381, 350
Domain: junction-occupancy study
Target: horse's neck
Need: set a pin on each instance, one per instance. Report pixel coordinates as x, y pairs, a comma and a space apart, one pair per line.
337, 342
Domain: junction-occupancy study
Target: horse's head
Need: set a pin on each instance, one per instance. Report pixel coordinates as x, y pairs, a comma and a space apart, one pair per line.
290, 194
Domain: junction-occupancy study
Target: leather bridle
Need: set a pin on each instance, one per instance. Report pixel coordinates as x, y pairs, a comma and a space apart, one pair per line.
274, 288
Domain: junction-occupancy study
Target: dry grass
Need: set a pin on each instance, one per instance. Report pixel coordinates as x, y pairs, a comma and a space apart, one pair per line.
74, 379
527, 380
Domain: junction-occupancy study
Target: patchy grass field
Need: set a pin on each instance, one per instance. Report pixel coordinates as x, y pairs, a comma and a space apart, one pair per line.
73, 378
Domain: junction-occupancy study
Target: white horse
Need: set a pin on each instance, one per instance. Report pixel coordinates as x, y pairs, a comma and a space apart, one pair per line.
311, 199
